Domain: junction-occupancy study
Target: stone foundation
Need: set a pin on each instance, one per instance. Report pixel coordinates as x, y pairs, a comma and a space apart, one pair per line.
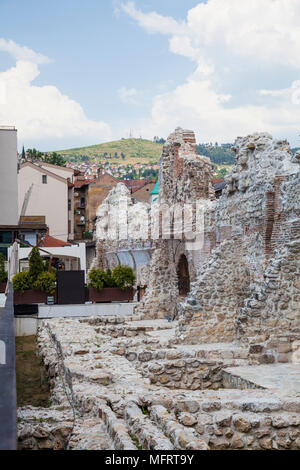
103, 397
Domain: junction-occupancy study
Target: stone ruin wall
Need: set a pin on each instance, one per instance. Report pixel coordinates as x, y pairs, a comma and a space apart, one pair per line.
112, 251
246, 276
185, 177
248, 289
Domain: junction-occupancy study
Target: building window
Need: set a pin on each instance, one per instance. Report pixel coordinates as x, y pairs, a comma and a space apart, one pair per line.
44, 177
6, 237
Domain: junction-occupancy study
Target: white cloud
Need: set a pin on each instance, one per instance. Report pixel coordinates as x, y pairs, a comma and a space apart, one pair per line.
127, 95
152, 22
22, 52
253, 34
41, 112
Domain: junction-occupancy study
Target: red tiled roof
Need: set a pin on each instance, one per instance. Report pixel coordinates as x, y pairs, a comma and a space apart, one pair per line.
78, 184
52, 242
217, 180
136, 184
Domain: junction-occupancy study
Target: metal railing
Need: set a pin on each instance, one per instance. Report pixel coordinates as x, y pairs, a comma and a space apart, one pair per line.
8, 395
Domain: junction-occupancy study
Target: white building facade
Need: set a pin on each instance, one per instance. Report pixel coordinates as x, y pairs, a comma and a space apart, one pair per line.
8, 176
47, 191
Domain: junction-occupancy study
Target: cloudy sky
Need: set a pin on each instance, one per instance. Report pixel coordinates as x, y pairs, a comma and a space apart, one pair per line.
74, 73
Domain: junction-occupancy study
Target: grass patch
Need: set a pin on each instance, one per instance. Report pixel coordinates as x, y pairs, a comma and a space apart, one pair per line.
32, 384
145, 410
135, 150
136, 441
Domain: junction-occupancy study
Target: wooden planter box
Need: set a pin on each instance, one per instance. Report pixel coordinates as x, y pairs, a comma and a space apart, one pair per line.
111, 294
30, 297
2, 287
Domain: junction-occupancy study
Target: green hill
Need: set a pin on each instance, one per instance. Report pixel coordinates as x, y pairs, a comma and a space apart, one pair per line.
122, 151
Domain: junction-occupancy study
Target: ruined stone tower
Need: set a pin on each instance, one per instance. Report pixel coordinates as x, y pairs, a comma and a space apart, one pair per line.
185, 178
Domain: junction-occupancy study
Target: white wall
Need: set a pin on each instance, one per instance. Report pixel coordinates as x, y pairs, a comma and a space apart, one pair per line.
25, 326
8, 177
59, 170
50, 200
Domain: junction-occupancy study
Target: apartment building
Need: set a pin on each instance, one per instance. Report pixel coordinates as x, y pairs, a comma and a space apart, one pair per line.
89, 194
8, 176
47, 191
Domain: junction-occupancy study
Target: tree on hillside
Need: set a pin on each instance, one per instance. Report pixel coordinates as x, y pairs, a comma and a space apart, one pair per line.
217, 154
158, 140
34, 154
54, 159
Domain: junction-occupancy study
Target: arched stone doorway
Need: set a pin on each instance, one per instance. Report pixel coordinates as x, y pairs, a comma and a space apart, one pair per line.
183, 276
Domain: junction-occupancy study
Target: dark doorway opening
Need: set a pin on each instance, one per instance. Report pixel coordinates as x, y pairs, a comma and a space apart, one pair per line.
183, 276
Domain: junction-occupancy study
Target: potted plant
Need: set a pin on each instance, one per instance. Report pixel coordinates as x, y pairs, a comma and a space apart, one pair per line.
33, 286
115, 286
3, 274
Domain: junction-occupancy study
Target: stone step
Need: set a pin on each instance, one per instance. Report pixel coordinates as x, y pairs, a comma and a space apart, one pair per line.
283, 377
117, 429
181, 436
90, 434
147, 434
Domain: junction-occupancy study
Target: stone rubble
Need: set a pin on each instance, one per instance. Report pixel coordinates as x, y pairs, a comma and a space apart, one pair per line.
126, 410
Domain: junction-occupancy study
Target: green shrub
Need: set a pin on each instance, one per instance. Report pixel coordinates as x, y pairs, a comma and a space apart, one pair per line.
123, 277
109, 281
100, 278
3, 273
46, 282
87, 236
21, 281
36, 265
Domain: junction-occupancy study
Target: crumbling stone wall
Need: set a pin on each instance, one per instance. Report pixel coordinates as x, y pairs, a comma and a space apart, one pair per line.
272, 312
252, 278
208, 314
120, 232
162, 292
245, 274
185, 178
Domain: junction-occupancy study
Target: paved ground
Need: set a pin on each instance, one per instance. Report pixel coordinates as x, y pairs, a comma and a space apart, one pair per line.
285, 377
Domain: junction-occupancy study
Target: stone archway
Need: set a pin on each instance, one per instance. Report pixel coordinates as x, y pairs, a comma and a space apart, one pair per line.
183, 276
